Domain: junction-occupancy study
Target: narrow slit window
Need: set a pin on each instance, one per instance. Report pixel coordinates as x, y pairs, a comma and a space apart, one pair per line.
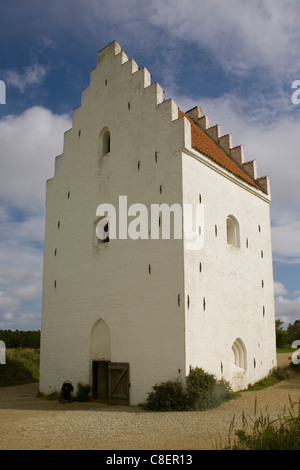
106, 142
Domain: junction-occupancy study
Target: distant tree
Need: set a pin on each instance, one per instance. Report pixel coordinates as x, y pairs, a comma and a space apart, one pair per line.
281, 335
21, 339
293, 331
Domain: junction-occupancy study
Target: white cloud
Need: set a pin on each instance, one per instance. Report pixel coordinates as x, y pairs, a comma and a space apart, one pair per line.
285, 240
30, 75
287, 310
241, 35
279, 288
29, 144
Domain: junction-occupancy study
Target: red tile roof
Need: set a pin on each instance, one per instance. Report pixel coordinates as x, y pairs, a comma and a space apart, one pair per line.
202, 142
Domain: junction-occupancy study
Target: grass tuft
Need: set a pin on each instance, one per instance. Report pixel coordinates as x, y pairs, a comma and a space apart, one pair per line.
264, 432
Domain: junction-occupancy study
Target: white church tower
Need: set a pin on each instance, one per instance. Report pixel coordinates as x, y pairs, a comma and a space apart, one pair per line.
124, 309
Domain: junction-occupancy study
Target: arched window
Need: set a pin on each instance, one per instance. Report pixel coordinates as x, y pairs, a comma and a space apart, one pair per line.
233, 231
104, 142
239, 354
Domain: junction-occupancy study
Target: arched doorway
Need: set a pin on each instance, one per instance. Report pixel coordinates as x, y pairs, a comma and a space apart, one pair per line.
110, 380
100, 358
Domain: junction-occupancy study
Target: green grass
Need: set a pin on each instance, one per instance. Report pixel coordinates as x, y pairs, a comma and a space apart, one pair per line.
275, 376
285, 349
22, 367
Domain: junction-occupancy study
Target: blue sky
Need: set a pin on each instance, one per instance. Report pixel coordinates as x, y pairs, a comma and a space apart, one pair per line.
235, 59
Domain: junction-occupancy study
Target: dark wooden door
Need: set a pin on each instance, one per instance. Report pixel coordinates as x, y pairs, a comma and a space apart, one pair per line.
100, 380
118, 383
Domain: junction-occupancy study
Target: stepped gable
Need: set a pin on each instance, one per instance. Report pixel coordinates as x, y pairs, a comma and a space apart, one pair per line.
205, 142
205, 139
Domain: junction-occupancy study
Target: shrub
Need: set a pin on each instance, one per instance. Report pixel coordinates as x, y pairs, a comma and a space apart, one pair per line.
83, 392
203, 391
166, 396
279, 373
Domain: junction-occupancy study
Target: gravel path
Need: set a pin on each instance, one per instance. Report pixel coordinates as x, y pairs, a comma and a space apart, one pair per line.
30, 423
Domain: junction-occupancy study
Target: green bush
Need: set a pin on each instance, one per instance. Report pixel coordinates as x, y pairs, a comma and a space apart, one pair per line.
83, 392
200, 387
203, 391
166, 396
279, 373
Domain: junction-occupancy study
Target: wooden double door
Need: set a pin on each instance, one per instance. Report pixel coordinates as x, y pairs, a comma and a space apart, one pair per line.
111, 382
